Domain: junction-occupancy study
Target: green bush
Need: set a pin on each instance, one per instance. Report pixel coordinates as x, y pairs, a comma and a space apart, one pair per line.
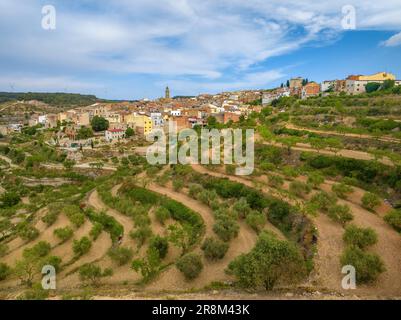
315, 180
82, 246
270, 262
50, 218
110, 225
162, 214
9, 199
195, 190
159, 244
178, 184
340, 213
276, 181
324, 200
341, 190
393, 218
4, 271
92, 274
3, 249
75, 215
256, 220
121, 255
299, 189
370, 201
190, 265
27, 232
64, 234
214, 249
242, 208
226, 228
359, 237
39, 250
96, 230
52, 261
140, 235
368, 266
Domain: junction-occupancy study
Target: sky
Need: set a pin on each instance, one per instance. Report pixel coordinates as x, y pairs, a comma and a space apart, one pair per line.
133, 49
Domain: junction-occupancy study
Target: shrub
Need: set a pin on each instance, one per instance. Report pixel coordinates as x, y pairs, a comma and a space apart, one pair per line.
226, 228
370, 201
178, 184
4, 271
82, 246
181, 236
271, 261
141, 235
393, 218
92, 274
242, 208
96, 231
190, 265
359, 237
276, 181
214, 249
109, 224
75, 215
368, 266
50, 218
256, 220
340, 213
3, 249
148, 266
39, 250
195, 190
27, 232
9, 199
299, 189
159, 244
162, 214
315, 180
52, 261
324, 200
207, 196
64, 234
121, 255
341, 190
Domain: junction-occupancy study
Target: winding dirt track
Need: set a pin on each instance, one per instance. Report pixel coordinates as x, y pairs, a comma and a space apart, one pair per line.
351, 135
269, 227
128, 224
331, 245
172, 279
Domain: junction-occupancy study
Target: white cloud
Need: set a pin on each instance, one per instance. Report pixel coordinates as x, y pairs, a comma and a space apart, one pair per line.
34, 83
393, 41
176, 38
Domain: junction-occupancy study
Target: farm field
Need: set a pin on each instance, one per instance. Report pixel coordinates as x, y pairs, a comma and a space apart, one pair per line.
325, 193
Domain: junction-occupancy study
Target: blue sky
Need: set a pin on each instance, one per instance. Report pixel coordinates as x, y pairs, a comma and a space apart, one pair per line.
131, 49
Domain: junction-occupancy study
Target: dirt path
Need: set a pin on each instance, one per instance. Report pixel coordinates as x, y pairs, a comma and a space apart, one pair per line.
46, 234
172, 279
327, 273
388, 248
204, 211
353, 154
269, 227
127, 222
335, 133
97, 251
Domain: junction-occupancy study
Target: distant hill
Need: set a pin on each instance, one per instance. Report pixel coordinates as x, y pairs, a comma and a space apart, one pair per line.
54, 99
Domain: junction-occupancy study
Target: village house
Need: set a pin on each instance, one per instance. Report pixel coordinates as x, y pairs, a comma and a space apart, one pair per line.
311, 89
114, 135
